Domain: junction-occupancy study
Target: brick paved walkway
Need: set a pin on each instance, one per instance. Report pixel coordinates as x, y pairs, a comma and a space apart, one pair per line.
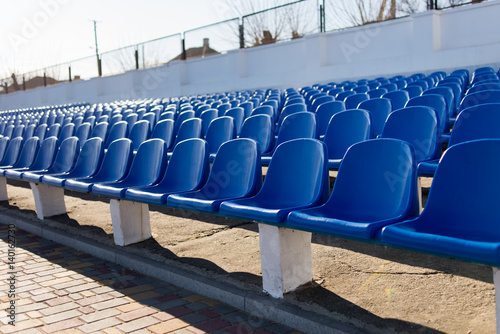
61, 290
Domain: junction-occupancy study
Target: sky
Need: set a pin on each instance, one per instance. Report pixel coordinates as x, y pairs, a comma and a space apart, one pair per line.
37, 33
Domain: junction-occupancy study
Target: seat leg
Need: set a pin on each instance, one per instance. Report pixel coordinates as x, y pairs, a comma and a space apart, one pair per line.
49, 201
286, 259
4, 196
130, 221
496, 281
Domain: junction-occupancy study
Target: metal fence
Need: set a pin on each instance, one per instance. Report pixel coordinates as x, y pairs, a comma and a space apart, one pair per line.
288, 21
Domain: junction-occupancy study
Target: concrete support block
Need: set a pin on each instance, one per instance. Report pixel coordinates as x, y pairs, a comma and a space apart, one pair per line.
496, 281
49, 201
4, 196
286, 259
130, 221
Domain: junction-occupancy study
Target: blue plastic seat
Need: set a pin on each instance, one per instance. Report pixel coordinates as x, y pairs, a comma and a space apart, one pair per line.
86, 165
114, 167
29, 132
67, 131
18, 131
82, 133
413, 91
260, 129
140, 132
344, 94
9, 129
352, 102
479, 122
26, 156
147, 168
325, 112
398, 98
167, 115
4, 141
151, 118
219, 131
181, 118
417, 126
345, 129
164, 130
289, 110
90, 120
131, 119
236, 173
64, 161
40, 131
54, 130
117, 131
389, 86
190, 128
222, 108
187, 170
369, 192
422, 83
379, 111
482, 97
484, 87
448, 95
248, 107
238, 115
100, 130
292, 182
375, 93
319, 101
460, 218
43, 160
77, 121
200, 108
264, 110
12, 152
438, 103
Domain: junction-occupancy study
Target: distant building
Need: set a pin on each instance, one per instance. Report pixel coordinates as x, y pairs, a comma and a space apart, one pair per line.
28, 84
198, 52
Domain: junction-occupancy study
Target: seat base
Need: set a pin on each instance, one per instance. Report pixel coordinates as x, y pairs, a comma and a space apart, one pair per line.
130, 221
286, 259
49, 201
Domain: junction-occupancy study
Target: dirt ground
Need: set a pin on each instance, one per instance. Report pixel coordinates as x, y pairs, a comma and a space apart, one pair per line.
380, 288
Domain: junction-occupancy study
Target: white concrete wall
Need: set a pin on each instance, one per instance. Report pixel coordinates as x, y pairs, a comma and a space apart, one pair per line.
464, 37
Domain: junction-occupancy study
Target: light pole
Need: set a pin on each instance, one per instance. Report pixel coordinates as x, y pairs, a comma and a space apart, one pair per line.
99, 68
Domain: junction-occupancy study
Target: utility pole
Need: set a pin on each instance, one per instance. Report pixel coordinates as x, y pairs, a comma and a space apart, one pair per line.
99, 68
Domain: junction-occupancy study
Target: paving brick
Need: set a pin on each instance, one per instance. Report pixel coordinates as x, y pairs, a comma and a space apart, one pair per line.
163, 316
58, 301
129, 307
109, 303
94, 299
138, 324
86, 310
103, 289
30, 331
96, 316
66, 285
193, 298
168, 326
22, 325
212, 325
61, 316
112, 331
31, 307
194, 330
136, 289
83, 287
75, 296
144, 295
194, 318
62, 325
59, 308
34, 314
55, 281
87, 293
43, 279
209, 313
136, 314
197, 306
100, 325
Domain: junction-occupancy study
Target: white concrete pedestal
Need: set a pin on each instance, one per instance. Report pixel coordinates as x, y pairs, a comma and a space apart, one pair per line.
4, 196
286, 259
130, 221
49, 201
496, 281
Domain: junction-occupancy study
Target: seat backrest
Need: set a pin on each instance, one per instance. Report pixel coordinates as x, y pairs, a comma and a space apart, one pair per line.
417, 126
316, 103
18, 131
46, 154
190, 128
325, 112
398, 98
29, 131
40, 131
185, 115
298, 125
66, 156
219, 131
448, 95
12, 152
139, 133
483, 87
289, 110
188, 166
478, 122
208, 116
236, 171
28, 153
151, 118
9, 129
260, 129
377, 92
352, 102
413, 91
248, 107
379, 111
389, 86
117, 131
117, 160
67, 131
100, 130
164, 130
438, 103
377, 180
222, 108
473, 199
77, 121
4, 142
89, 158
292, 179
82, 133
264, 110
149, 163
481, 97
54, 130
345, 129
115, 119
238, 115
